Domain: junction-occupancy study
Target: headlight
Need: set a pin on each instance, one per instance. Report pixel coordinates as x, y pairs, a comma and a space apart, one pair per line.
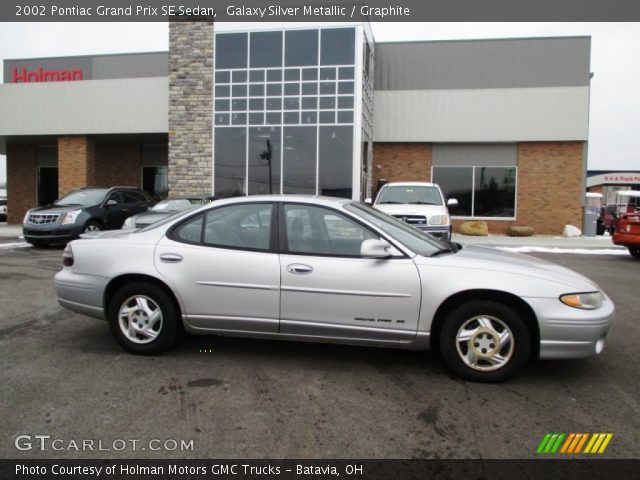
439, 220
129, 222
585, 301
26, 216
70, 217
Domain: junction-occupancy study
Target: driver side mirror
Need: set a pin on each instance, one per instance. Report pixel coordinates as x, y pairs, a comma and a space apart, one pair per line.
373, 248
452, 202
111, 203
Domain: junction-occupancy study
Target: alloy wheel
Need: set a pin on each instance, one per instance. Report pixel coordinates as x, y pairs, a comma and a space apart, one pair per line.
485, 343
140, 319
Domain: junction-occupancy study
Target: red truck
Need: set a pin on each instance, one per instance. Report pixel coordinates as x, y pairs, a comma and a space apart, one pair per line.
627, 232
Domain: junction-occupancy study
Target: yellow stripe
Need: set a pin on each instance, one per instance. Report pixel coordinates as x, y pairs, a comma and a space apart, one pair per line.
596, 445
582, 440
567, 442
606, 442
592, 440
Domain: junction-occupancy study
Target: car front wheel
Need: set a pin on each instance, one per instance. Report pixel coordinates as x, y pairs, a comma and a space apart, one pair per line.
635, 252
92, 227
143, 319
484, 341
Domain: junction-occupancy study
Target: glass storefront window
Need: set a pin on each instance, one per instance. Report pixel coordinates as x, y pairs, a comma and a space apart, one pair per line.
266, 49
301, 48
264, 160
231, 51
299, 160
480, 191
230, 146
337, 46
335, 162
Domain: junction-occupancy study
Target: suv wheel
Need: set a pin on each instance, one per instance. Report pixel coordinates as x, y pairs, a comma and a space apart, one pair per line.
484, 341
92, 226
143, 319
635, 252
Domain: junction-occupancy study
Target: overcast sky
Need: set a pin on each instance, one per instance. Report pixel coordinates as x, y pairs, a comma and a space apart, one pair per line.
615, 93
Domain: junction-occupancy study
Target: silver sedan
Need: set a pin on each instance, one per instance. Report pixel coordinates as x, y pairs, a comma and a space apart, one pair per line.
331, 270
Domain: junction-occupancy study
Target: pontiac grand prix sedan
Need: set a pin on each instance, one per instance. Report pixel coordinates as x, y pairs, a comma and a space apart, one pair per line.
331, 270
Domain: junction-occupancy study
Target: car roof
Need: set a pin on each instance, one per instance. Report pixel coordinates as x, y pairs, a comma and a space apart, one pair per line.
410, 184
315, 199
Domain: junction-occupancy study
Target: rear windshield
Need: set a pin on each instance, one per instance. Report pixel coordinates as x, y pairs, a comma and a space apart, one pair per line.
84, 198
413, 194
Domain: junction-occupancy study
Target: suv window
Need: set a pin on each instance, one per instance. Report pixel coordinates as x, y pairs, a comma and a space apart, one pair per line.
133, 197
320, 231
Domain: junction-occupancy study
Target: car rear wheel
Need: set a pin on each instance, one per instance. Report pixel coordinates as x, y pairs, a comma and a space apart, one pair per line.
635, 252
143, 319
484, 341
92, 226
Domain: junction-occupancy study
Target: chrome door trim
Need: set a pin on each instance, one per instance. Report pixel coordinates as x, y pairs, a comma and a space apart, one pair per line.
331, 330
238, 285
346, 292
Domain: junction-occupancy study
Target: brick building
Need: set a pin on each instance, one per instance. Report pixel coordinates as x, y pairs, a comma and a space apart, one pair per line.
501, 125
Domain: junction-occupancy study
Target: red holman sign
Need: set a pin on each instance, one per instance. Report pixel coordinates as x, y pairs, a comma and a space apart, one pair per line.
23, 75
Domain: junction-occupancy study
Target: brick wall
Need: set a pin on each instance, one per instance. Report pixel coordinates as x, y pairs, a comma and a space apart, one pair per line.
549, 190
401, 162
76, 163
118, 164
21, 181
190, 107
550, 185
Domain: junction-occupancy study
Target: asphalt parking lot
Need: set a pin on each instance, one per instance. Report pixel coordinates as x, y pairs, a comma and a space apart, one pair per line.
63, 376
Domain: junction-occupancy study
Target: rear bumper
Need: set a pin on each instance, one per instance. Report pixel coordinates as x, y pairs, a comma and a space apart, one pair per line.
567, 332
81, 293
626, 240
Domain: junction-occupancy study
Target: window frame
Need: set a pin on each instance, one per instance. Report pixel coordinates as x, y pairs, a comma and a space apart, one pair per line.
473, 192
273, 233
283, 241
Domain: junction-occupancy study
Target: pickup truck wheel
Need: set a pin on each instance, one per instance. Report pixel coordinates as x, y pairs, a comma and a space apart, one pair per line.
635, 252
484, 341
143, 319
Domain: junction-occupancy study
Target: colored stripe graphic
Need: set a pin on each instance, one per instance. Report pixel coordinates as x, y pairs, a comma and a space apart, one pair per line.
573, 443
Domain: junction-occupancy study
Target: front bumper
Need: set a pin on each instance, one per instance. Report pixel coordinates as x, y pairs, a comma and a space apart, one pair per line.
81, 293
51, 233
567, 332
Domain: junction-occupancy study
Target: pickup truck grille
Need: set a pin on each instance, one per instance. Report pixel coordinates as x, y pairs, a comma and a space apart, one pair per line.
413, 220
42, 219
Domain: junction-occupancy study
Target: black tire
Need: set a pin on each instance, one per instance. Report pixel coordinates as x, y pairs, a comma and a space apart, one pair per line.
167, 330
635, 252
92, 225
519, 349
600, 228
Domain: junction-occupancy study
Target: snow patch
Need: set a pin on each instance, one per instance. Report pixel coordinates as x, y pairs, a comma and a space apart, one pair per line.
14, 245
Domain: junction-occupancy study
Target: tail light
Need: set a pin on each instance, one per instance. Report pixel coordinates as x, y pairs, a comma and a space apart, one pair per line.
67, 256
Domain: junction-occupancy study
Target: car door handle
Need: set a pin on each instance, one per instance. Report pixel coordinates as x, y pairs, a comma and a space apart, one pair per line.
170, 258
299, 269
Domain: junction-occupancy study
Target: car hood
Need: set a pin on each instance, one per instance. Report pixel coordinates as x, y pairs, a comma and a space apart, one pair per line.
492, 259
411, 209
53, 209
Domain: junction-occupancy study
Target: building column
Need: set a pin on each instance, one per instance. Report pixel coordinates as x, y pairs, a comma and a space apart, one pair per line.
76, 163
22, 181
190, 108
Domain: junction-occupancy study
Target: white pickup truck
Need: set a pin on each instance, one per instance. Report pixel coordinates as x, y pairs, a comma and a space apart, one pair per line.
419, 204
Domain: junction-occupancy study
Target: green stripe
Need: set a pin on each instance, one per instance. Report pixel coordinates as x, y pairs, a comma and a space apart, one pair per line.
550, 443
558, 443
543, 443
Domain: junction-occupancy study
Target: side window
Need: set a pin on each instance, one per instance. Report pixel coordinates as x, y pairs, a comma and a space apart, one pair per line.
239, 226
320, 231
131, 197
190, 232
117, 196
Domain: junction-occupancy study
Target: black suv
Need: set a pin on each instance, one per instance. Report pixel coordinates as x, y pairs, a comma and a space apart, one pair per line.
85, 210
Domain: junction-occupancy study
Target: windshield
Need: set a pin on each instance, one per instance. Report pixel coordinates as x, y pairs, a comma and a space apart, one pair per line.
415, 240
175, 205
415, 194
85, 198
